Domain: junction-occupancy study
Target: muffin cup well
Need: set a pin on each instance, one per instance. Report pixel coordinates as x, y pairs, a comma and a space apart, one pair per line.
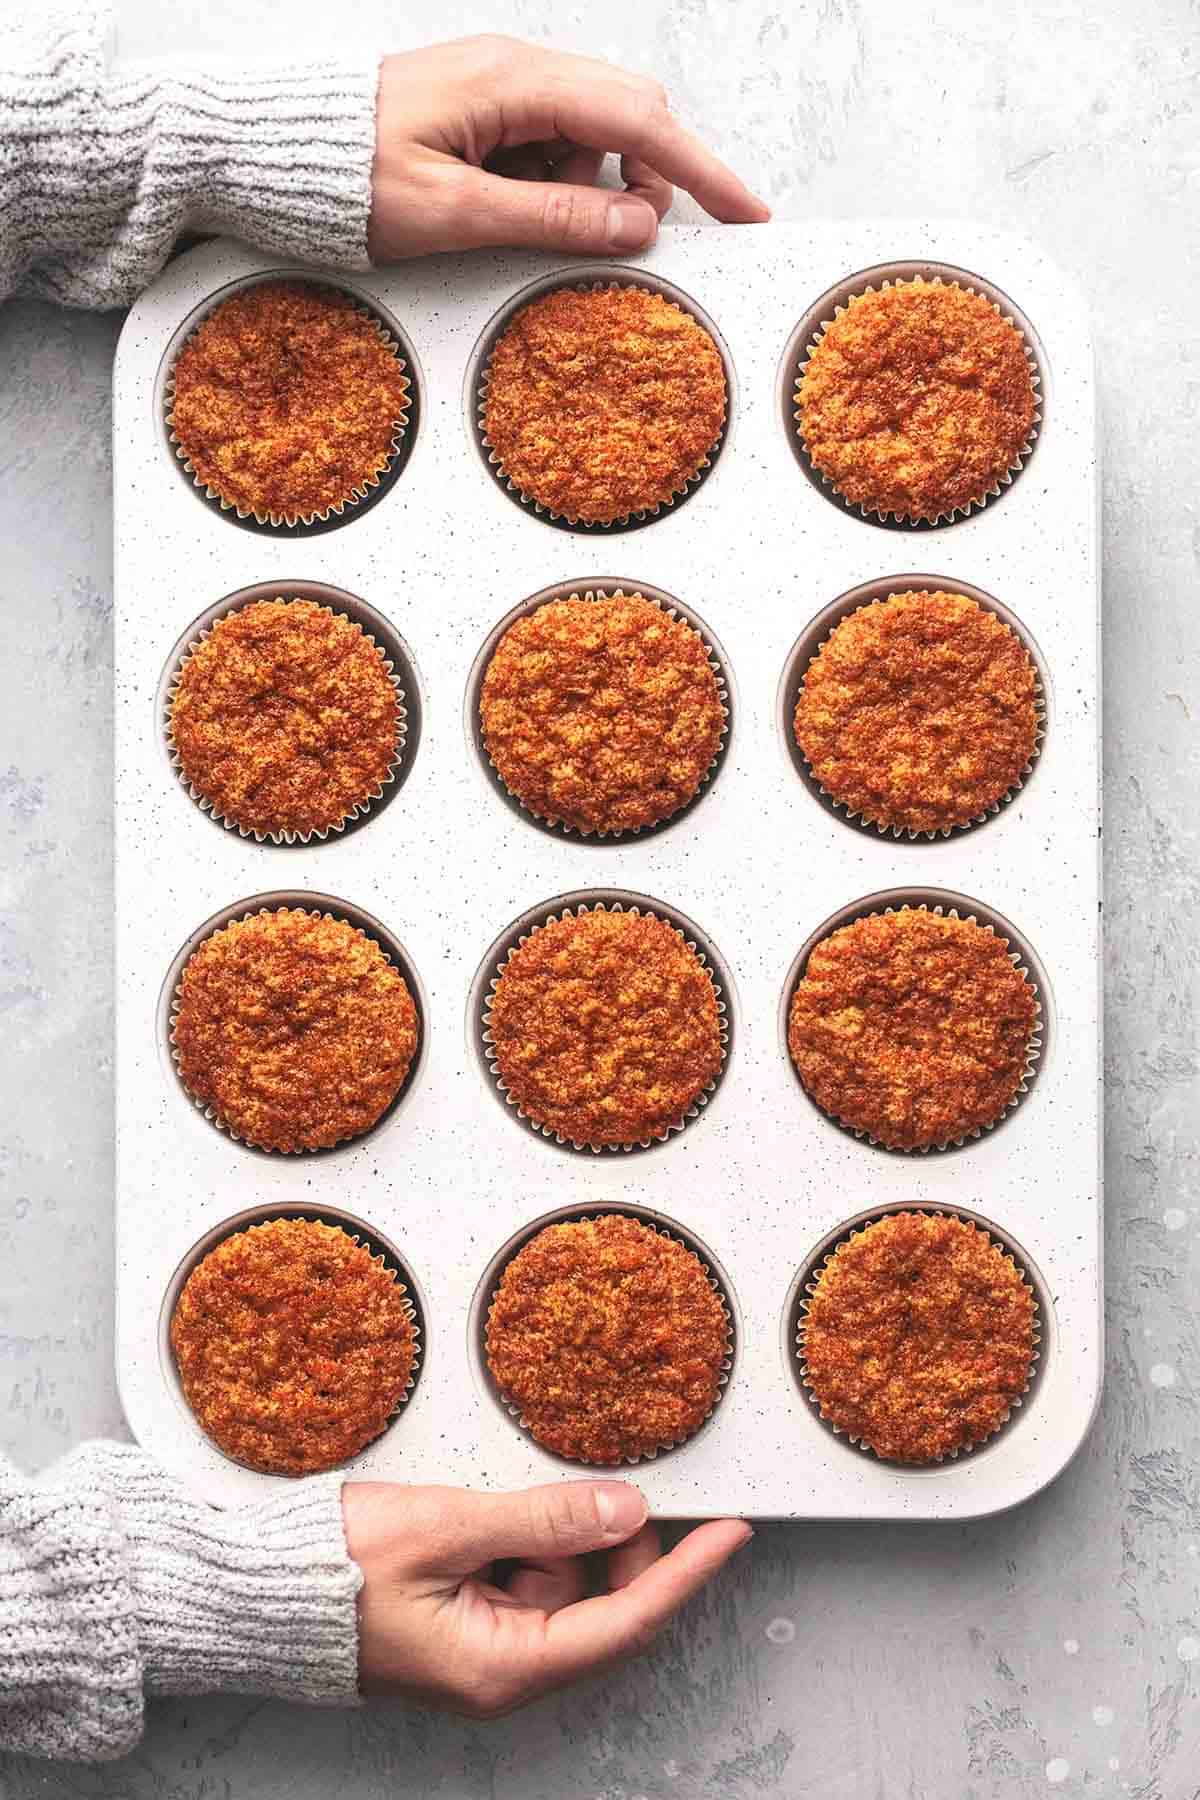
317, 906
589, 280
582, 901
367, 491
805, 1285
954, 906
382, 638
818, 633
597, 590
381, 1251
666, 1228
821, 315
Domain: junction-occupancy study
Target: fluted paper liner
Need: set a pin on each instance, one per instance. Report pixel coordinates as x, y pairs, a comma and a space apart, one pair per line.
976, 503
548, 1131
625, 520
514, 1411
627, 833
358, 811
810, 1285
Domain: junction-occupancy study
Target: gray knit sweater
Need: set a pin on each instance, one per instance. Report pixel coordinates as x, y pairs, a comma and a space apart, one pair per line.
114, 1582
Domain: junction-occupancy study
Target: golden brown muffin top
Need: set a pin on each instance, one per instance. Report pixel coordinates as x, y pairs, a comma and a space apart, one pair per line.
609, 1337
917, 399
919, 1337
285, 718
602, 404
603, 713
287, 399
294, 1346
912, 1027
605, 1027
919, 711
294, 1028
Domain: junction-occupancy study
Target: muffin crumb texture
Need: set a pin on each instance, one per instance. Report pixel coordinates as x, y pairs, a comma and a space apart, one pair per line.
609, 1338
285, 718
912, 1027
294, 1346
288, 401
602, 713
605, 1027
603, 403
917, 399
918, 1337
294, 1029
919, 711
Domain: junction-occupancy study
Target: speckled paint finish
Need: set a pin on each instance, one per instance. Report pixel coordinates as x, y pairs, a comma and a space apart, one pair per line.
1051, 1650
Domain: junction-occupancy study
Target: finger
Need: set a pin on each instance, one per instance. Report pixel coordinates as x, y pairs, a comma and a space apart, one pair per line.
634, 1557
595, 1633
647, 184
565, 1519
549, 1585
550, 215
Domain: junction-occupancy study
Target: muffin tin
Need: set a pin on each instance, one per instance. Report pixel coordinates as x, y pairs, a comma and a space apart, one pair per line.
450, 869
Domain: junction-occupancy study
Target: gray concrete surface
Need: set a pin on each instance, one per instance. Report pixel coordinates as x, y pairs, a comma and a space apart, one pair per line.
1054, 1650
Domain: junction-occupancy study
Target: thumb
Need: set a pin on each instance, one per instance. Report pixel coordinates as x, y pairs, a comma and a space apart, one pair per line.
554, 215
564, 1519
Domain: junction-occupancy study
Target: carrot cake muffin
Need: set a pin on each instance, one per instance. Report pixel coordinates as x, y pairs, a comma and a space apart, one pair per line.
287, 400
294, 1029
285, 718
609, 1338
294, 1346
912, 1027
919, 711
605, 1027
601, 404
602, 713
917, 399
918, 1337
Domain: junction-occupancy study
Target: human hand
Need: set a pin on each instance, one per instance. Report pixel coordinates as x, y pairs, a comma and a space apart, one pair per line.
435, 1626
491, 141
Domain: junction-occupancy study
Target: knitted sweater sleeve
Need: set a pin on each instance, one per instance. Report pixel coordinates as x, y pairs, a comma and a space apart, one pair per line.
115, 1583
102, 167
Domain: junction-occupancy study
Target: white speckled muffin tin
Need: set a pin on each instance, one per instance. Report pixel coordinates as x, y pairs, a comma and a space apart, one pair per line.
451, 1179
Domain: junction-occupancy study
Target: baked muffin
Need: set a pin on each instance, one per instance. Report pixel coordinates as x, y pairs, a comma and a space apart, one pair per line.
603, 403
917, 399
919, 711
601, 712
288, 401
294, 1029
294, 1346
918, 1337
285, 718
605, 1027
912, 1027
609, 1338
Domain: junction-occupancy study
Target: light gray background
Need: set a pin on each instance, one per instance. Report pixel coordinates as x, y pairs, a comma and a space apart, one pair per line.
1055, 1650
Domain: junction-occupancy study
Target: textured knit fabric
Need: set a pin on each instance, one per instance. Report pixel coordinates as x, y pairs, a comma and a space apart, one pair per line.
102, 167
115, 1583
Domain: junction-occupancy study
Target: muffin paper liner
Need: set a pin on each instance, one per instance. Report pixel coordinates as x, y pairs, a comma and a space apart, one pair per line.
282, 837
976, 503
809, 1287
624, 521
624, 834
1033, 1050
358, 493
863, 820
513, 1409
211, 1114
384, 1262
548, 1131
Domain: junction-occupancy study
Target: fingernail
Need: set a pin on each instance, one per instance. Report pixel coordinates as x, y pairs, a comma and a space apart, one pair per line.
620, 1508
630, 224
